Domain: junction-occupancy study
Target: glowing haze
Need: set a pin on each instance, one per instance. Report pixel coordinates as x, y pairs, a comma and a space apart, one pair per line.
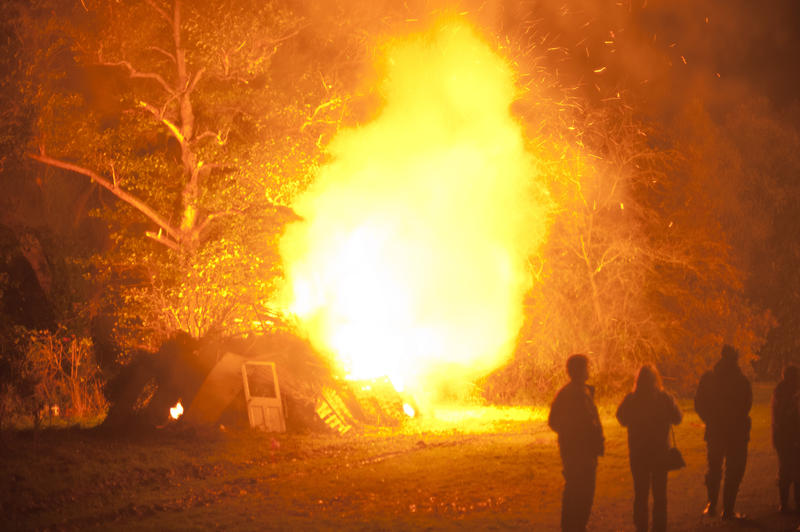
411, 259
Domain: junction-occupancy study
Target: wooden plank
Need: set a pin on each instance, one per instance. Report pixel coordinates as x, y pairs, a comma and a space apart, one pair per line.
220, 388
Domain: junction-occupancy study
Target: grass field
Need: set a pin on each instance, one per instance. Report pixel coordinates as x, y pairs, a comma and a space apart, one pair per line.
483, 476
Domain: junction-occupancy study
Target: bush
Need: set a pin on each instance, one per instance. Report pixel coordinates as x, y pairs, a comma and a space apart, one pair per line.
49, 374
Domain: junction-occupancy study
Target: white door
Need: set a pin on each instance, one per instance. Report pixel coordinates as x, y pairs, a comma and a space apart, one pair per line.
263, 396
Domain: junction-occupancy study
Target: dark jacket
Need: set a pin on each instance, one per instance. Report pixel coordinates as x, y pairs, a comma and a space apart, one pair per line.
785, 416
648, 418
723, 400
573, 415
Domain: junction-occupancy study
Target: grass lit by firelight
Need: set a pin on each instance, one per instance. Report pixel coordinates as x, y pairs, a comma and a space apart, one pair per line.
474, 419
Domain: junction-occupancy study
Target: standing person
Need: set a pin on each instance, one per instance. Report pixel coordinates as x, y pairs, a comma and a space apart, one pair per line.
573, 416
786, 435
648, 413
723, 400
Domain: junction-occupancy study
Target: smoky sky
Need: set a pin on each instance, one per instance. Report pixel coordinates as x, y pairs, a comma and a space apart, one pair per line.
709, 49
668, 51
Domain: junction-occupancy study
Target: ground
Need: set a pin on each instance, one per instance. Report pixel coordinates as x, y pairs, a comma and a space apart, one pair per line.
505, 478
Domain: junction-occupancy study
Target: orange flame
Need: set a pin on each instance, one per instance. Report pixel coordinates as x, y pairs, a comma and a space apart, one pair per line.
176, 411
412, 261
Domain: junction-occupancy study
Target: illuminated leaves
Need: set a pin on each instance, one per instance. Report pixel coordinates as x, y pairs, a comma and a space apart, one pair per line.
213, 144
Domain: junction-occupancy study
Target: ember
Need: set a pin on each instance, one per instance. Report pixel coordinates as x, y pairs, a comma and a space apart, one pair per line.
411, 261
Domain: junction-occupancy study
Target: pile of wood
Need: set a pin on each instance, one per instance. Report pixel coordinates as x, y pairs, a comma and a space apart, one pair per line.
206, 377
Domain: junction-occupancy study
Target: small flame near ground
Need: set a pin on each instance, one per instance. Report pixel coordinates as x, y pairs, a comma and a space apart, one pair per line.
176, 411
412, 259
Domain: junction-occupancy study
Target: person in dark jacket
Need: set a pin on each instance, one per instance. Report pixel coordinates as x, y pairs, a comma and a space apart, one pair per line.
573, 416
723, 400
648, 413
786, 435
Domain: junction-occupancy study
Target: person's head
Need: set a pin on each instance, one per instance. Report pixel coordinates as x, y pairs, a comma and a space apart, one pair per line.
578, 368
729, 358
648, 380
729, 354
791, 374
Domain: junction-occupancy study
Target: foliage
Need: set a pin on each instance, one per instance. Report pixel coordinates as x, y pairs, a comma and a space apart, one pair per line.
201, 122
66, 372
202, 132
49, 374
766, 225
637, 268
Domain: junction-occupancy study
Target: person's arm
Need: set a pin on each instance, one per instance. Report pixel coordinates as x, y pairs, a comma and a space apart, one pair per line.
701, 399
601, 441
555, 419
623, 411
749, 395
776, 428
675, 414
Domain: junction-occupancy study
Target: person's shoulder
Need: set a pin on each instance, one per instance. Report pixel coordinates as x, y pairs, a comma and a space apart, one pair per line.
574, 391
630, 396
708, 374
707, 379
668, 397
741, 377
745, 381
626, 404
564, 390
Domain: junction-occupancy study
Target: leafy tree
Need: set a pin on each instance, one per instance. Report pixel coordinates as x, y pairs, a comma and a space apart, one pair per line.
202, 130
200, 122
764, 218
638, 266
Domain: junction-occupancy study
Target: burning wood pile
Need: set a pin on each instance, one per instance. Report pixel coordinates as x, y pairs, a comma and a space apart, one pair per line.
205, 384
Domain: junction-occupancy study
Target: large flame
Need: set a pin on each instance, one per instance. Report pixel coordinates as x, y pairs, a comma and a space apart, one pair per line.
411, 261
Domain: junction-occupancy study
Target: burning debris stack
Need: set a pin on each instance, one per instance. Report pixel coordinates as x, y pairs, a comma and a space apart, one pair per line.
204, 384
409, 258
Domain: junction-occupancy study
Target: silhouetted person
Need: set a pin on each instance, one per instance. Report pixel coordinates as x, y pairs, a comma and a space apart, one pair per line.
573, 415
723, 402
648, 412
786, 435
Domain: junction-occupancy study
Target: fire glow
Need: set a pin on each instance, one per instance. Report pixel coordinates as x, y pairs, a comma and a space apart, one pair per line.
176, 411
411, 259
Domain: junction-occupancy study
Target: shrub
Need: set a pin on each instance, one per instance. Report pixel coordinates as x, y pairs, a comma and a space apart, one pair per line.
47, 374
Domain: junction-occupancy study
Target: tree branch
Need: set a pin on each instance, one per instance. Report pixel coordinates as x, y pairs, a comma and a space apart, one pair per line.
220, 136
159, 115
213, 216
161, 11
163, 52
197, 77
128, 198
133, 73
161, 239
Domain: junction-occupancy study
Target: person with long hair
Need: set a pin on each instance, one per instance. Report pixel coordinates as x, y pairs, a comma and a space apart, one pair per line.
648, 413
